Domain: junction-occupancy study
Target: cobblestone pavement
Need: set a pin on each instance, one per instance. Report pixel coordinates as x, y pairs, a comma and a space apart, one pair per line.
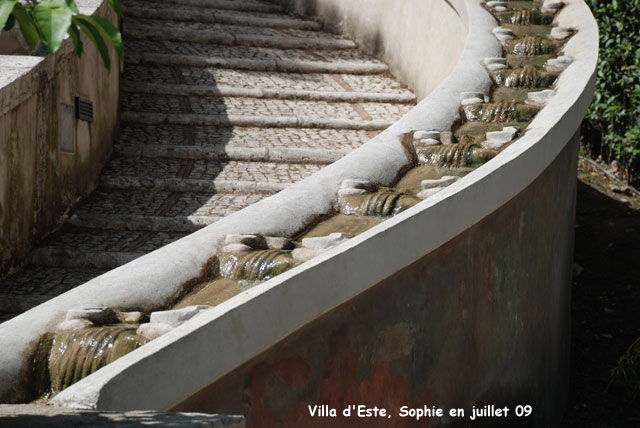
221, 107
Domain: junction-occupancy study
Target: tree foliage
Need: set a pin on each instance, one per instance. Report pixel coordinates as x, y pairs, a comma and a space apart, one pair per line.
50, 20
616, 106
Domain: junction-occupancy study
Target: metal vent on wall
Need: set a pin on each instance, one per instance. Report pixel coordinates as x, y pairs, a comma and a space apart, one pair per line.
84, 109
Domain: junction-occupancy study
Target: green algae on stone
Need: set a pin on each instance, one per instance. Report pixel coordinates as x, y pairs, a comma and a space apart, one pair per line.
64, 358
342, 223
528, 76
256, 265
519, 95
455, 155
526, 17
211, 293
412, 180
377, 204
501, 112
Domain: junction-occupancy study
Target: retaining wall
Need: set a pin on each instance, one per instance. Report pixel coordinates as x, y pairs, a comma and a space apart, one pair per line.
461, 299
48, 163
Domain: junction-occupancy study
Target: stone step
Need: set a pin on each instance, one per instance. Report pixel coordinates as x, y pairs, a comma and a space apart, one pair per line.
35, 284
234, 39
69, 258
266, 57
241, 30
251, 154
196, 14
186, 224
283, 65
191, 185
15, 303
222, 139
247, 6
253, 121
209, 170
239, 110
266, 80
282, 94
162, 203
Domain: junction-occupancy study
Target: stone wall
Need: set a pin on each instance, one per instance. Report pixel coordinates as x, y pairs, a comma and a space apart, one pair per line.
48, 164
493, 330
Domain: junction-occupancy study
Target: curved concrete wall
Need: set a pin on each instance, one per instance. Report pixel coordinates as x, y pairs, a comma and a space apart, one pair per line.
420, 40
489, 230
44, 169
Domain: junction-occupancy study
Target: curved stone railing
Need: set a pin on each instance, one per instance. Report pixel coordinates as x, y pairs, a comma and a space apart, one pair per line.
48, 159
474, 260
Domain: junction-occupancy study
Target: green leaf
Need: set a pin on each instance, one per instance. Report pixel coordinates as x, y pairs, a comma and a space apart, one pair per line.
6, 7
53, 18
94, 35
71, 4
115, 4
74, 33
9, 24
27, 27
112, 33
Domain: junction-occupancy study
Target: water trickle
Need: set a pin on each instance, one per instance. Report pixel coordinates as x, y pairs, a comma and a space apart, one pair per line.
455, 156
256, 265
527, 77
377, 204
531, 45
66, 357
500, 112
529, 17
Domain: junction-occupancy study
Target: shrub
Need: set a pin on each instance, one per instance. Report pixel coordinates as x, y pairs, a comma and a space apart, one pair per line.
50, 20
615, 112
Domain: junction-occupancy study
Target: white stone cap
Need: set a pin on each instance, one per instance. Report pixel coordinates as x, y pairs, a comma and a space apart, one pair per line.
541, 98
467, 98
558, 64
440, 182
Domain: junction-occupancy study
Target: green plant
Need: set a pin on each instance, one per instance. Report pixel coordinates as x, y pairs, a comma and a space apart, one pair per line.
627, 371
615, 112
50, 20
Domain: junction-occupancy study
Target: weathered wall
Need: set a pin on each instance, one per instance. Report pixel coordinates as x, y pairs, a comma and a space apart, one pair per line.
419, 50
484, 319
38, 181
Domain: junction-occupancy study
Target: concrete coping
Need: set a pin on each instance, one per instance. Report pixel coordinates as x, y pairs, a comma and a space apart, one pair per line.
241, 323
20, 75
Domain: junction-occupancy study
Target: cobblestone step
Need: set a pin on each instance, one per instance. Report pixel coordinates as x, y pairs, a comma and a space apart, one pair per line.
267, 55
264, 154
235, 30
249, 6
186, 224
267, 80
208, 170
68, 258
238, 111
281, 94
221, 16
33, 284
130, 203
283, 65
253, 121
192, 185
232, 39
229, 138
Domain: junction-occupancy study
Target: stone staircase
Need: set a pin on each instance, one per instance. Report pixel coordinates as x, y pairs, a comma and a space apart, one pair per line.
223, 103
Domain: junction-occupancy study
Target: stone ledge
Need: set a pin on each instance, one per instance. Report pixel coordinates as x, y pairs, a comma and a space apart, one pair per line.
21, 75
41, 416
